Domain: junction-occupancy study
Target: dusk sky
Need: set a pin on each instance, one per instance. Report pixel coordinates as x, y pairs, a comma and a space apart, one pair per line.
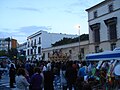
21, 18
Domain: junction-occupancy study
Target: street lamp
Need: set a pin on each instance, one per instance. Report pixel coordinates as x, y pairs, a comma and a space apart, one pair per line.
79, 53
79, 42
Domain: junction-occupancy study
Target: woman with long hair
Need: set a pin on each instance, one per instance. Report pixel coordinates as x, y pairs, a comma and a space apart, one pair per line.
21, 81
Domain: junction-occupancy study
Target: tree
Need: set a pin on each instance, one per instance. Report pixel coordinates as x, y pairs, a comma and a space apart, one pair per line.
65, 40
3, 53
13, 53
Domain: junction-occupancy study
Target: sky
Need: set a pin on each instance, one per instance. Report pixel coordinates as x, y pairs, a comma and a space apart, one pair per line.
22, 18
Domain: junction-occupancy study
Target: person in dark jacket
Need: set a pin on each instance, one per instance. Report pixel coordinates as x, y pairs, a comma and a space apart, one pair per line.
36, 80
71, 76
12, 73
48, 79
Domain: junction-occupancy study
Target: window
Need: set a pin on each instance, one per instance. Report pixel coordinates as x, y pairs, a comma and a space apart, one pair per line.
31, 42
95, 14
112, 31
39, 50
70, 51
31, 51
28, 44
113, 46
35, 42
96, 32
43, 56
39, 42
48, 55
96, 35
111, 25
110, 7
28, 51
82, 52
96, 49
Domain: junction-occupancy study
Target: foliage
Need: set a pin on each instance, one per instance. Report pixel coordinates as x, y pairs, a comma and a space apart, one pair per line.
8, 39
3, 53
13, 53
65, 40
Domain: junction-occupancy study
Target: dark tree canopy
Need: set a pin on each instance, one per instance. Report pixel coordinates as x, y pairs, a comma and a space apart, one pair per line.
65, 40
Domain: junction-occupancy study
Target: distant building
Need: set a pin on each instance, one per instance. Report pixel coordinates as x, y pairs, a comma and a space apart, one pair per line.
42, 39
22, 49
7, 43
104, 26
13, 43
3, 44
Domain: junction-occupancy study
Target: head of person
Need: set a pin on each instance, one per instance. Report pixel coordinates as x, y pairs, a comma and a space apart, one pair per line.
84, 63
21, 71
37, 70
12, 66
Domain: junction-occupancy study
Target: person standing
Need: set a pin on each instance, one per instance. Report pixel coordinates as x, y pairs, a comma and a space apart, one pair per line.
12, 73
21, 81
82, 72
48, 79
36, 80
71, 75
62, 76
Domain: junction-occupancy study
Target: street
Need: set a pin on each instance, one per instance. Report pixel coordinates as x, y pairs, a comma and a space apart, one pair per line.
4, 83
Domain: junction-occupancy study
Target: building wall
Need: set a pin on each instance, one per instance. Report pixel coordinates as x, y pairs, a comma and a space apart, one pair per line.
74, 47
51, 38
46, 40
22, 49
103, 14
13, 43
3, 44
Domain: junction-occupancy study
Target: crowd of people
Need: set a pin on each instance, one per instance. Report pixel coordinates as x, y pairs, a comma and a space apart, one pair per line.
44, 75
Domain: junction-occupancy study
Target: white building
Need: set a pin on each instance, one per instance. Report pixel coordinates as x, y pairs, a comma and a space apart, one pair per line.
22, 49
42, 39
104, 26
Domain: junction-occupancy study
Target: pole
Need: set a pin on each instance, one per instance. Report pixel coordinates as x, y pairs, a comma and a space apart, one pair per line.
79, 41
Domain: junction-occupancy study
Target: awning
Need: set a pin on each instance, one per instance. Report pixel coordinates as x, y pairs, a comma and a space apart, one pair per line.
3, 57
107, 55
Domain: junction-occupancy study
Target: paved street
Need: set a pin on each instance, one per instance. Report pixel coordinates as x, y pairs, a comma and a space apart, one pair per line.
4, 83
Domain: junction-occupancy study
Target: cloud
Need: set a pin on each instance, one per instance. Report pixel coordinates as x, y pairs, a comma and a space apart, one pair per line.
72, 12
31, 29
22, 33
27, 9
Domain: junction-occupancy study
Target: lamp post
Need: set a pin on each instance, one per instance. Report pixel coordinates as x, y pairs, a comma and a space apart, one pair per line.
79, 51
79, 40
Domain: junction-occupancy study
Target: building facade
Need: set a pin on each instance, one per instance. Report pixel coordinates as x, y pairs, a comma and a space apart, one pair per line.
22, 49
104, 26
3, 44
42, 39
66, 52
7, 43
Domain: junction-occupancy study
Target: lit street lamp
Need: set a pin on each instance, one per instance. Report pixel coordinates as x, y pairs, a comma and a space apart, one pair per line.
79, 38
79, 53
